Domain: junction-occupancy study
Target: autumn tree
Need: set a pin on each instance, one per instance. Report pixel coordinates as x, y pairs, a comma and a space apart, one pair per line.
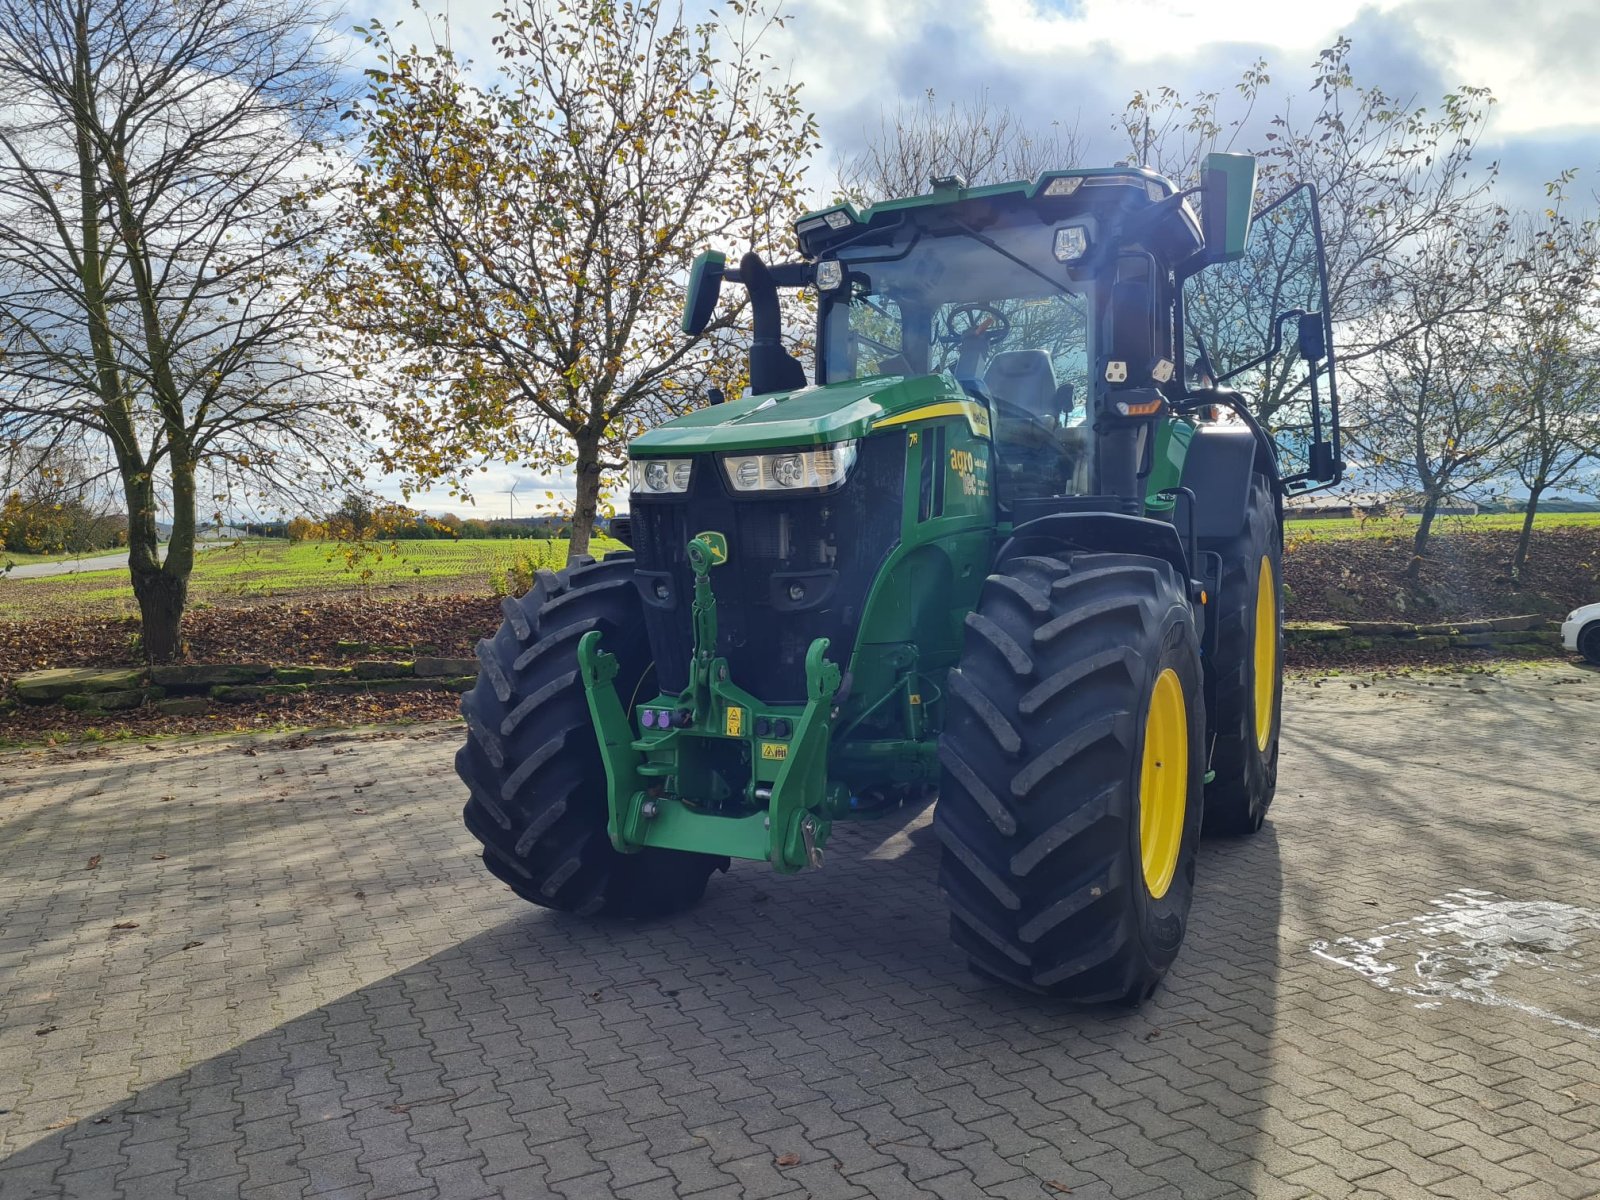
150, 244
1431, 411
518, 251
976, 138
1397, 182
1551, 361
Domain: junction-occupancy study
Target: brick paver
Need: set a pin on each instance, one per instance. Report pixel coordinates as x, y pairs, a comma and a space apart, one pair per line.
324, 995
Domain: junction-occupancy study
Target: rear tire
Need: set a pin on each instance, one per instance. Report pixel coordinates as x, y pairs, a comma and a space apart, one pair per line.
1248, 701
532, 762
1589, 642
1044, 776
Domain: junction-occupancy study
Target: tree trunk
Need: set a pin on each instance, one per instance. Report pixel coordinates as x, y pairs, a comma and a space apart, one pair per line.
587, 504
1419, 543
161, 588
1525, 538
162, 596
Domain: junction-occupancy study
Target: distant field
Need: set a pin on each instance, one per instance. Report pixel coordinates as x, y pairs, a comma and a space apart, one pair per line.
282, 570
1342, 527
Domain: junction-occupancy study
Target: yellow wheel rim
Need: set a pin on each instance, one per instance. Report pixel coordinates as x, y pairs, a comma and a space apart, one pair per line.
1266, 656
1163, 783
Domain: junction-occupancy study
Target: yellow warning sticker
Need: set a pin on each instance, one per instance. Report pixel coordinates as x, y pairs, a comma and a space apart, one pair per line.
733, 723
916, 697
775, 750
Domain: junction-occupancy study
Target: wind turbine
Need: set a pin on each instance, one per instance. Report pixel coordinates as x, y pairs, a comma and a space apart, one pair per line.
511, 498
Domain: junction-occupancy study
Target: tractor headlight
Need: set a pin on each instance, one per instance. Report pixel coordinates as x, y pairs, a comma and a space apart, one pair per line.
660, 476
790, 470
1072, 243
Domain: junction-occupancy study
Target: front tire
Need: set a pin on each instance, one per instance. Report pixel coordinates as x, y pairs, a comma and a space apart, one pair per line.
1248, 661
1070, 805
532, 762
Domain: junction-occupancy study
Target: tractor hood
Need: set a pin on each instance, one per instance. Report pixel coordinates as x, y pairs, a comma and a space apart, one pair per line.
811, 416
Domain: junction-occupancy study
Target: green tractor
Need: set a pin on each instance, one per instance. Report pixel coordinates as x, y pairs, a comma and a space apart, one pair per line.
1017, 545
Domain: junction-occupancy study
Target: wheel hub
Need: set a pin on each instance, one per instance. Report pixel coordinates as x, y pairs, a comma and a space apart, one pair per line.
1266, 652
1163, 782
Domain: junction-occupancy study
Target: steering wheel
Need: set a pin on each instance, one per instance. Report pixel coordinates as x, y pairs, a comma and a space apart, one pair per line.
984, 324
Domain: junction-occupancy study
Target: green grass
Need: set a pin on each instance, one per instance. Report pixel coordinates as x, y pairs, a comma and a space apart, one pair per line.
272, 569
1350, 527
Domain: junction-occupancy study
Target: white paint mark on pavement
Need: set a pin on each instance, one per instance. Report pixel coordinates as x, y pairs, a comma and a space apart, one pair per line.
1536, 956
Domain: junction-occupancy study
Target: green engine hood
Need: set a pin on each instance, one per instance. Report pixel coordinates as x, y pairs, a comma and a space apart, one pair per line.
811, 416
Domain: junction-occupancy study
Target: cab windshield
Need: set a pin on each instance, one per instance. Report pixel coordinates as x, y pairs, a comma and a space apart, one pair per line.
996, 311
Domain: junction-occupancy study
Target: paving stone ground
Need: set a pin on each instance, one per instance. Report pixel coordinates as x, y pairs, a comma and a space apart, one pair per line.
324, 995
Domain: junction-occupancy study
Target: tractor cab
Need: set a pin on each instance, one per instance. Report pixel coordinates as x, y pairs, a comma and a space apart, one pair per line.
1022, 296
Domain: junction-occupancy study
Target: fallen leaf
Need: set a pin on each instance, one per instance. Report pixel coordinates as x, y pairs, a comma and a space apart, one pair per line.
1055, 1185
192, 945
360, 811
399, 1108
250, 751
102, 1120
63, 1123
94, 863
361, 895
45, 1030
788, 1160
126, 925
158, 858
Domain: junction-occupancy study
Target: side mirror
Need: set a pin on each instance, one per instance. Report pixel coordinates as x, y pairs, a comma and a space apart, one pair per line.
1227, 195
705, 285
1311, 337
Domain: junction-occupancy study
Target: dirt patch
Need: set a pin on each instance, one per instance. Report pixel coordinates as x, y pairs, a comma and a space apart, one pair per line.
1466, 574
272, 632
1326, 579
277, 633
51, 724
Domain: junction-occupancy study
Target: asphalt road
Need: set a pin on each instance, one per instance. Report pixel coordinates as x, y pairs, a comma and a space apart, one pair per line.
99, 562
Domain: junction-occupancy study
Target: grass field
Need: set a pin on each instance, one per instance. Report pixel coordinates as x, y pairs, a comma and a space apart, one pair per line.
1347, 527
280, 570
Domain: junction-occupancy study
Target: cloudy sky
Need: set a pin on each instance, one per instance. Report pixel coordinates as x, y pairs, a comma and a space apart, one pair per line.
1078, 61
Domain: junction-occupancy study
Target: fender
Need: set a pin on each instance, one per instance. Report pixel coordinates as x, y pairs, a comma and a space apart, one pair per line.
1217, 470
1116, 533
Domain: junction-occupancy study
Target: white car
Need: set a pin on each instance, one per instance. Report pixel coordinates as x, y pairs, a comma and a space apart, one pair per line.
1581, 632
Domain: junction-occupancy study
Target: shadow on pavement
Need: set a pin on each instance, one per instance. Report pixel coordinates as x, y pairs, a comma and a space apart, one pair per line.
814, 1034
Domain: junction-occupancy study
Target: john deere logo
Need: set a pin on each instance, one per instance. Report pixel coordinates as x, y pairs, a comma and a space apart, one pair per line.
718, 544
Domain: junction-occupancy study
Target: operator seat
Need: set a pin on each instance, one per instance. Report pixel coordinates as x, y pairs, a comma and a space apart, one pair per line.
1031, 462
1026, 380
